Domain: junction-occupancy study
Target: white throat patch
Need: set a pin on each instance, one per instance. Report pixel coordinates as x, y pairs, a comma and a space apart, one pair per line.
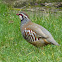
20, 17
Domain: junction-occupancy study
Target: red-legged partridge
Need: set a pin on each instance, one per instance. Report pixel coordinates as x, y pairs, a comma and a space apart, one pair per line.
34, 33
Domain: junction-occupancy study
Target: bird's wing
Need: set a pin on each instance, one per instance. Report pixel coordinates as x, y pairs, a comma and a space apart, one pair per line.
37, 30
42, 33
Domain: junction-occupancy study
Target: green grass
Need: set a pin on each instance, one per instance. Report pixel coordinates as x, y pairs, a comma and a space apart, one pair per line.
13, 47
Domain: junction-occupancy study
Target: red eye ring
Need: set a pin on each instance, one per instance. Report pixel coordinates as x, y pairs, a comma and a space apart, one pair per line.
19, 14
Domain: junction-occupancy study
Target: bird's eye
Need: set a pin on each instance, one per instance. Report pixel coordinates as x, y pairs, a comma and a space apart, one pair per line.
21, 14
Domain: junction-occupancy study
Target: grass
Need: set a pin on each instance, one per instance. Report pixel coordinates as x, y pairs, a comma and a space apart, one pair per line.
13, 47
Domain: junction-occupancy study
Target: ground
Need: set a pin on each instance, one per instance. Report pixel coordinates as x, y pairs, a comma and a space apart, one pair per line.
13, 47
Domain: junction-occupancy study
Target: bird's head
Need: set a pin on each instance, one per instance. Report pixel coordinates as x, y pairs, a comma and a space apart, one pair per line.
23, 17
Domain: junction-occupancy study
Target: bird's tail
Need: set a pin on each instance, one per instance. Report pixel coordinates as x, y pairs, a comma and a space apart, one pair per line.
53, 42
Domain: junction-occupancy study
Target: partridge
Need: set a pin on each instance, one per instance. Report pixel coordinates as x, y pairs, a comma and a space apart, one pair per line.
34, 33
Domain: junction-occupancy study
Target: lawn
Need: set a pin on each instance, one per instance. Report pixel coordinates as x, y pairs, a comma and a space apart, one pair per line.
13, 47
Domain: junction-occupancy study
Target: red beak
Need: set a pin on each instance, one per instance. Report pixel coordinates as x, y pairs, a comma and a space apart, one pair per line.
17, 14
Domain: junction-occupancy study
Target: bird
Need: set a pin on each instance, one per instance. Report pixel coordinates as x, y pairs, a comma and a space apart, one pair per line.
34, 33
